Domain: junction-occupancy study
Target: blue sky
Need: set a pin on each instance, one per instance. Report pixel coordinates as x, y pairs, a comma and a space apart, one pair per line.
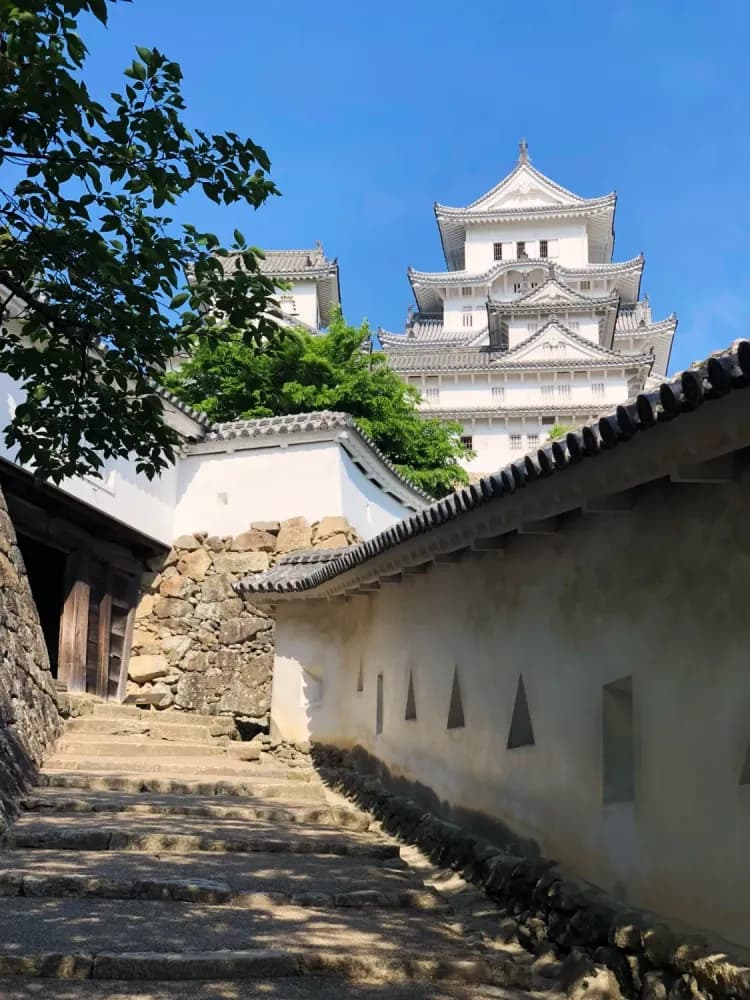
371, 112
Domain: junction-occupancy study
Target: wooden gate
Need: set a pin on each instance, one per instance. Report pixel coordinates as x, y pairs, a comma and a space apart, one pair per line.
96, 627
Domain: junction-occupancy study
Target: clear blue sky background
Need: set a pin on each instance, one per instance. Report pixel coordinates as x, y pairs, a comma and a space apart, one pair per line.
372, 111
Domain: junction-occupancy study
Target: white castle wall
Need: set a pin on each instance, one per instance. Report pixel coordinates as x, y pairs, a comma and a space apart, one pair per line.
653, 600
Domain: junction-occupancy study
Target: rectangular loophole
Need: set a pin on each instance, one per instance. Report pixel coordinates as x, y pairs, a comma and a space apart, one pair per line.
379, 707
618, 741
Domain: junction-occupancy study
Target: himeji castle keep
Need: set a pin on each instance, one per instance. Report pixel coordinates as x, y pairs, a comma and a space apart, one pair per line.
279, 723
531, 324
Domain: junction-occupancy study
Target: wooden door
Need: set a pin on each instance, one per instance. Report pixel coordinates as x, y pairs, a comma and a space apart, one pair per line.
96, 628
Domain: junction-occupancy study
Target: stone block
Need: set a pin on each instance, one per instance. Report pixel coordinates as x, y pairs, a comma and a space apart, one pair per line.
328, 526
217, 587
147, 668
294, 534
195, 564
270, 526
219, 610
254, 541
186, 543
175, 647
240, 629
145, 606
332, 542
176, 586
142, 638
241, 563
172, 607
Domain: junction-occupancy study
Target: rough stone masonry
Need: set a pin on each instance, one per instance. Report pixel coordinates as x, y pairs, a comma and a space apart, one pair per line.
197, 646
29, 713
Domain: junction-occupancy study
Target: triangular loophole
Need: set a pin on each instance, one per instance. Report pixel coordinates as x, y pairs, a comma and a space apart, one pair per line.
360, 679
411, 703
745, 776
456, 710
521, 732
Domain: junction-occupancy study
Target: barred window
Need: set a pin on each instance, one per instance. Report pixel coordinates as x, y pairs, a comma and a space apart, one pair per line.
498, 393
548, 391
543, 247
432, 394
532, 440
597, 390
466, 290
516, 442
467, 441
497, 251
563, 391
585, 285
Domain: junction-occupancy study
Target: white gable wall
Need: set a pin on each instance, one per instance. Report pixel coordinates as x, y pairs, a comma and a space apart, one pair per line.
223, 492
304, 296
572, 246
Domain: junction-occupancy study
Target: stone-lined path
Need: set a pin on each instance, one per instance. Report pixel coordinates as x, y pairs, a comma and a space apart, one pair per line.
155, 852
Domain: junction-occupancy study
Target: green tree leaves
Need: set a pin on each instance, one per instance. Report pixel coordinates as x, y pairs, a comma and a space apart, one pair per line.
99, 287
300, 372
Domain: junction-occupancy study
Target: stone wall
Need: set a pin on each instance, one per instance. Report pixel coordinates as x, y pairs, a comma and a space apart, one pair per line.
29, 711
197, 645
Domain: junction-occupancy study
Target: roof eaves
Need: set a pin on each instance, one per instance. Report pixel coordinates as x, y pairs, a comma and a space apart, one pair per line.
714, 378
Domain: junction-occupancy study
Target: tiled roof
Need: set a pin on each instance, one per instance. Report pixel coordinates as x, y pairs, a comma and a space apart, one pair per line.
196, 415
299, 424
295, 423
630, 321
281, 262
484, 358
707, 381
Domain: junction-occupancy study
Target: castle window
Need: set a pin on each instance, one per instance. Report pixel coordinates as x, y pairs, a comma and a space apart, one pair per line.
498, 393
532, 440
543, 248
521, 249
466, 290
549, 421
563, 391
586, 285
467, 441
548, 391
497, 251
432, 394
597, 390
516, 442
468, 318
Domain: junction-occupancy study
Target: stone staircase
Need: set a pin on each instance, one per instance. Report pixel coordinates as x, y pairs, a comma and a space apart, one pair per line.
160, 858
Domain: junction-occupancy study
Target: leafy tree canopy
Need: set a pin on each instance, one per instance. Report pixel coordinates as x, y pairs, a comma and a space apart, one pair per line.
558, 431
302, 372
93, 266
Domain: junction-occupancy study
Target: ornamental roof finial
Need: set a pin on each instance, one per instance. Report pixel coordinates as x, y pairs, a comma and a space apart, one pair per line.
523, 151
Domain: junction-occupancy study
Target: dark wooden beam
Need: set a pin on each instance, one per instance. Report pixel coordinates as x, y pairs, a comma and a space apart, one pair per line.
716, 470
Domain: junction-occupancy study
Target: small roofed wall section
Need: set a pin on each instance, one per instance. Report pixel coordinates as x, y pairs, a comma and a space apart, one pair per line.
197, 647
221, 491
29, 712
121, 493
627, 755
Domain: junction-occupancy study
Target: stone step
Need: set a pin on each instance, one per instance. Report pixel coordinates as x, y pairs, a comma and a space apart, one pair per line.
113, 710
184, 835
47, 800
256, 786
188, 767
61, 939
139, 746
297, 988
157, 730
244, 881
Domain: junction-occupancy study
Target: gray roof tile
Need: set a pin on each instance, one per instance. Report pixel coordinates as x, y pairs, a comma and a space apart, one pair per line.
719, 374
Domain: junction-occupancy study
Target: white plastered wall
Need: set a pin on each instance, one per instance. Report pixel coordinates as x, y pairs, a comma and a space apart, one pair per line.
223, 492
657, 594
